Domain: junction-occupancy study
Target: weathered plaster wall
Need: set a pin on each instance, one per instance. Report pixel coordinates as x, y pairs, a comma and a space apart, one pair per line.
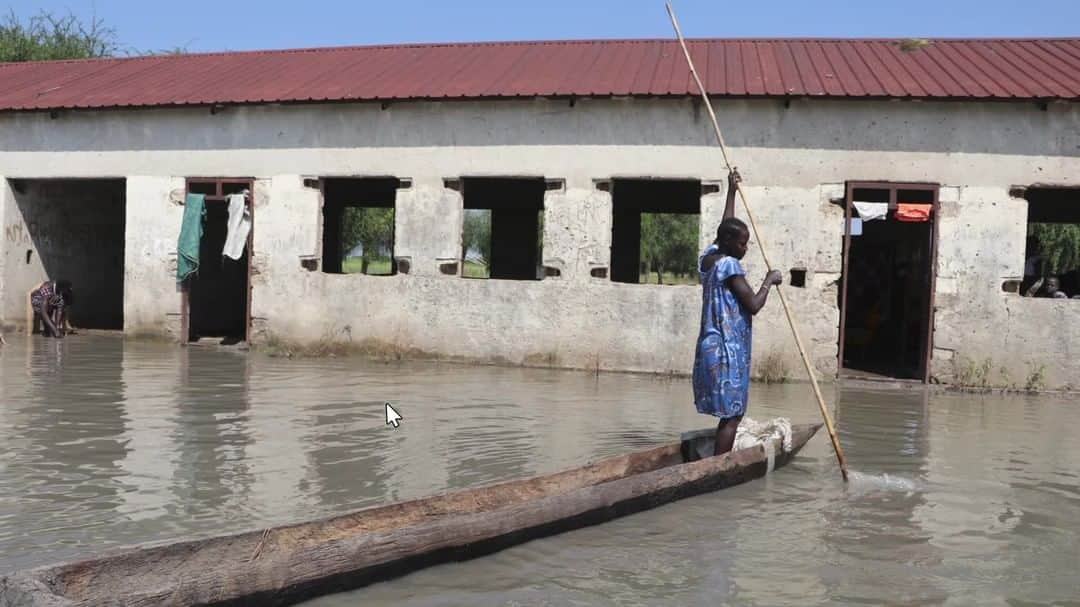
24, 263
66, 230
151, 295
428, 221
577, 233
793, 161
982, 246
7, 217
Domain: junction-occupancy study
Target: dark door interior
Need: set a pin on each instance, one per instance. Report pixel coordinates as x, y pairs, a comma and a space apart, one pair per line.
889, 277
218, 293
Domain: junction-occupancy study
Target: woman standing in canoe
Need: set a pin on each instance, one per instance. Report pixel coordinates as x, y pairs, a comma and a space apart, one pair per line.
722, 361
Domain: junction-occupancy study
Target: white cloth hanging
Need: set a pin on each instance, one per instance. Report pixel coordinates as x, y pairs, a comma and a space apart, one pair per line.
870, 211
238, 228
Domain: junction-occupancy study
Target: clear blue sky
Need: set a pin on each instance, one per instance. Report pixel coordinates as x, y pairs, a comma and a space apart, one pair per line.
209, 25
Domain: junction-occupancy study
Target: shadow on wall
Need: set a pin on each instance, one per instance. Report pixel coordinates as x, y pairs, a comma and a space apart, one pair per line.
1020, 128
69, 229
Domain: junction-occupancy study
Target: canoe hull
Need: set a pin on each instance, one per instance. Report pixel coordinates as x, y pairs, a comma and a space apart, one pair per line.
289, 564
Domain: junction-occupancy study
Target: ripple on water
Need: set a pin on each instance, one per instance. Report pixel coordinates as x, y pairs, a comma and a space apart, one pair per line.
954, 497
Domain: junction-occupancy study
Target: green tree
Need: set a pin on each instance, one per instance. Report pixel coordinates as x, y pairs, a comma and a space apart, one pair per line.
1059, 243
476, 234
371, 228
669, 243
46, 36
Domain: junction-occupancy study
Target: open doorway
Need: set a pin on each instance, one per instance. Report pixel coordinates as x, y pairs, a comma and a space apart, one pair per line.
67, 229
886, 296
216, 299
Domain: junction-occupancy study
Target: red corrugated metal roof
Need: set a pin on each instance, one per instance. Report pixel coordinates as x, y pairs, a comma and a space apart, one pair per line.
948, 69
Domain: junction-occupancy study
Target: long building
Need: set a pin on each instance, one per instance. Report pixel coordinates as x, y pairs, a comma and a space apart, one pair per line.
895, 184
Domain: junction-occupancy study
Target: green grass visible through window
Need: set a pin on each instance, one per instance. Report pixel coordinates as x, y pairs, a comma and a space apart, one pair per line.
355, 265
670, 278
367, 234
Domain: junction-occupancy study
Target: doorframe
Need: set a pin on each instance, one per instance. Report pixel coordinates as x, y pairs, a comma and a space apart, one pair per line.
892, 187
185, 287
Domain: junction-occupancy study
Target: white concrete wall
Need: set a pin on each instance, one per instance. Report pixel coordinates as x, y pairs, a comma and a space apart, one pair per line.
577, 233
981, 246
428, 221
151, 294
793, 160
12, 241
23, 262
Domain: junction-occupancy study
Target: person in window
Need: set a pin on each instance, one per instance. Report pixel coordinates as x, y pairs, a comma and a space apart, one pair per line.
721, 376
1050, 287
49, 303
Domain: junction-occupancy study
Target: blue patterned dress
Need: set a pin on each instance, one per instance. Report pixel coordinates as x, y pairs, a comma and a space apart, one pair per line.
722, 361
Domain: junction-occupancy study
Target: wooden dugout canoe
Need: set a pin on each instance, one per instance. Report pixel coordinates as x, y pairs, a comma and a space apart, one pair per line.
291, 563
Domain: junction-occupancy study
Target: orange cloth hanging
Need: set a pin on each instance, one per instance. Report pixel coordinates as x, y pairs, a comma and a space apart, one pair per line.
913, 212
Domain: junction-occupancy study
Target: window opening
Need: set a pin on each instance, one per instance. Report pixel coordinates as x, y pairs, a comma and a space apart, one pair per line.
1052, 250
655, 231
207, 188
503, 228
358, 225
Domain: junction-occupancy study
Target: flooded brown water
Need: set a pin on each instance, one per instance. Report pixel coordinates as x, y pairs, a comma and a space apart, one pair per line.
960, 499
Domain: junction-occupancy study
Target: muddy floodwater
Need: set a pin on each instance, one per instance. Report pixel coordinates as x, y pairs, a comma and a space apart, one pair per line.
957, 499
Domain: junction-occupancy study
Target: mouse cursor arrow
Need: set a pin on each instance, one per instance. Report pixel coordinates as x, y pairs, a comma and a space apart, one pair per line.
392, 416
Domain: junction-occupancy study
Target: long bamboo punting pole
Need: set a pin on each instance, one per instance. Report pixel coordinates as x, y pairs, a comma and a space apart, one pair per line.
761, 245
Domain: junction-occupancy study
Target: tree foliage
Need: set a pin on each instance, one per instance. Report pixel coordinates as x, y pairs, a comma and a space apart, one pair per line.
371, 228
1059, 243
669, 243
476, 235
46, 36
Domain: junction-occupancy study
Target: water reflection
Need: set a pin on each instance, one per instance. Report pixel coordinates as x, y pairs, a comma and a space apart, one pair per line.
212, 431
150, 400
66, 441
884, 434
112, 442
979, 511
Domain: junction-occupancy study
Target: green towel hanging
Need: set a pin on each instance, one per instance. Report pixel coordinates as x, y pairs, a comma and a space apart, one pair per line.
187, 247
